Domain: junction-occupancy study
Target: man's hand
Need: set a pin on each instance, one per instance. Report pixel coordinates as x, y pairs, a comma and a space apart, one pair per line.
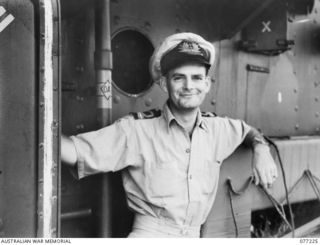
68, 151
264, 168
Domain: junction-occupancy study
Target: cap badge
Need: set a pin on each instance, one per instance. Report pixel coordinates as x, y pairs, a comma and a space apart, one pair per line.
192, 48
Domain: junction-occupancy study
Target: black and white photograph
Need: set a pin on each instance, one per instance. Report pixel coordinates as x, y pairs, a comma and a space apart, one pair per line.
159, 119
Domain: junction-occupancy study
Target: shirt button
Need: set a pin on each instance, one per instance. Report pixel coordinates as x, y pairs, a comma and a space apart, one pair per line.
188, 150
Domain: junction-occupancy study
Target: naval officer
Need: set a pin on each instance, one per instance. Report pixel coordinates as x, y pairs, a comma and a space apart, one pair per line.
170, 159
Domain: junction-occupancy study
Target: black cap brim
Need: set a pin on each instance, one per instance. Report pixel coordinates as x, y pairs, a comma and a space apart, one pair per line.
172, 61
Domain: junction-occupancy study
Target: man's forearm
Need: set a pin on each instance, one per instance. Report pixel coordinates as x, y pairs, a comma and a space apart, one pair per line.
255, 139
68, 151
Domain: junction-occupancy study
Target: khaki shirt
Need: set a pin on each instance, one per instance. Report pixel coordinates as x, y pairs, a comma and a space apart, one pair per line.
165, 173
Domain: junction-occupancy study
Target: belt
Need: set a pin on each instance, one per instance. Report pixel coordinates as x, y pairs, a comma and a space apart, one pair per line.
160, 226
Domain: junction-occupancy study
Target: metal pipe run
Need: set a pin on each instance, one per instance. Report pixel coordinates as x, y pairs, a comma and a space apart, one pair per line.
77, 214
103, 68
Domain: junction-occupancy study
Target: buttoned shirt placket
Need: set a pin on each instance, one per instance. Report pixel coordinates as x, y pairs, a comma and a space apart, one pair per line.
189, 176
193, 204
191, 150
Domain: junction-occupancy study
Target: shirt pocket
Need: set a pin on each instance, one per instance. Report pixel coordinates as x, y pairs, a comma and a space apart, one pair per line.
211, 176
162, 180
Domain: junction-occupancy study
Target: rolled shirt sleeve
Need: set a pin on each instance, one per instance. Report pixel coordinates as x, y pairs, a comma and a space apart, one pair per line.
108, 149
234, 133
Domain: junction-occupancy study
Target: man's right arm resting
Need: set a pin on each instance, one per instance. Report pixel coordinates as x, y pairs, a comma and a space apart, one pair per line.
68, 151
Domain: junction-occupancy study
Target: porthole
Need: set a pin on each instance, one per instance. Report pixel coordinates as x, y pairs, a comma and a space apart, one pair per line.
131, 53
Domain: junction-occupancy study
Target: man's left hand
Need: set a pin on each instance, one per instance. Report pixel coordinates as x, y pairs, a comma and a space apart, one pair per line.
264, 168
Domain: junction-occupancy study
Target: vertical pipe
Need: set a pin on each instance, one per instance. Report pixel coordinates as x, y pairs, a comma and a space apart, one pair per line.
103, 67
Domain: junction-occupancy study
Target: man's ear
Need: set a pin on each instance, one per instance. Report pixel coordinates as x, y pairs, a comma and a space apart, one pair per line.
208, 83
163, 83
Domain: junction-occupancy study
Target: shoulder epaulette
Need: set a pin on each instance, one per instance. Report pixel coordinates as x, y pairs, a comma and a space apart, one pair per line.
208, 114
146, 114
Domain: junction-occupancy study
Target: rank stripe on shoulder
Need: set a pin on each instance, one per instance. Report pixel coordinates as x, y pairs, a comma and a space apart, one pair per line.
147, 114
208, 114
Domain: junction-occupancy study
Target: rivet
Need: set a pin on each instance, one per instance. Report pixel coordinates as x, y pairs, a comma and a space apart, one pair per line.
295, 90
80, 98
41, 145
79, 68
53, 232
116, 99
296, 127
147, 25
116, 19
317, 129
80, 126
55, 123
296, 108
213, 102
148, 102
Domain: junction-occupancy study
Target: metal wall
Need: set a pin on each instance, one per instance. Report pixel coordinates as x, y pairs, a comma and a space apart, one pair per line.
283, 102
220, 222
79, 199
18, 121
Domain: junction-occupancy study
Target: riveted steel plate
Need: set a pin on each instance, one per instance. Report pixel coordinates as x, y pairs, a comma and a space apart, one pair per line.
18, 120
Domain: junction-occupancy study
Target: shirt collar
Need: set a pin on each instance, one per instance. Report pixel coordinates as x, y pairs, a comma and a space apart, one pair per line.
169, 117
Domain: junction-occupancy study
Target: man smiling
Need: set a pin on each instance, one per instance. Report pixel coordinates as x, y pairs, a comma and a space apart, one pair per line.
187, 86
170, 159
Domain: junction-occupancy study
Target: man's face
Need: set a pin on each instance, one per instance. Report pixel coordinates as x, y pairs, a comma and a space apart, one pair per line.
187, 86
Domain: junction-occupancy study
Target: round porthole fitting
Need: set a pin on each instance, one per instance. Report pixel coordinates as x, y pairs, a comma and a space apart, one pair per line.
131, 53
